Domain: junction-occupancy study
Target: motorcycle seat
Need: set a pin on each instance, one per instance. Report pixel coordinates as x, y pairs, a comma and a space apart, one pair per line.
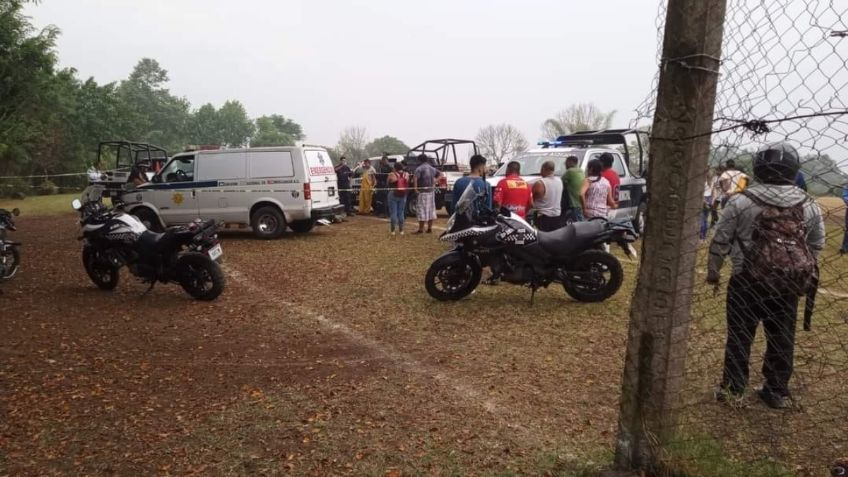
571, 239
152, 242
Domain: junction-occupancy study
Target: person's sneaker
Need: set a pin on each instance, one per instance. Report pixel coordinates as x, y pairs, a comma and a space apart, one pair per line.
393, 234
774, 400
728, 397
401, 233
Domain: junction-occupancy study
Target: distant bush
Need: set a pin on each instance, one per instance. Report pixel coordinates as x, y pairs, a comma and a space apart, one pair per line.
48, 187
14, 188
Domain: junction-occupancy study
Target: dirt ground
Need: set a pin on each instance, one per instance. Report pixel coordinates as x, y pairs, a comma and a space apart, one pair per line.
324, 356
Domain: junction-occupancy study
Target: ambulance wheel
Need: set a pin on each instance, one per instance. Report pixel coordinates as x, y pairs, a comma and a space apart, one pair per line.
302, 226
268, 223
149, 219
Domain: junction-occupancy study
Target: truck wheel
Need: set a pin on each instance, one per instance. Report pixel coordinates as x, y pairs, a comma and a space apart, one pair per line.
268, 223
639, 219
412, 205
302, 226
149, 219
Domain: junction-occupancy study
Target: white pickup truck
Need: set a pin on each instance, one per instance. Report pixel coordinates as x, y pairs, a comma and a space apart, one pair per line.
586, 146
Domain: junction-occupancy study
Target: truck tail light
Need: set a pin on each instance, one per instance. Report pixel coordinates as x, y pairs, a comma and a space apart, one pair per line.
307, 191
443, 181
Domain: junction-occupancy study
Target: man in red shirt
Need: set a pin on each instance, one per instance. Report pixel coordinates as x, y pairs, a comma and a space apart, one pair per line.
513, 192
609, 174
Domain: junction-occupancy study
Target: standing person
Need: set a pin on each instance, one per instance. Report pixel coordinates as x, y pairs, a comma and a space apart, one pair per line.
424, 182
573, 180
547, 199
513, 192
475, 180
398, 182
381, 194
343, 174
732, 181
366, 186
597, 192
717, 194
844, 249
773, 232
706, 209
609, 173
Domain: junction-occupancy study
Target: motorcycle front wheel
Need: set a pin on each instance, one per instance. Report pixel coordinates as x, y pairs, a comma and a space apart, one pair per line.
104, 276
452, 277
11, 262
200, 276
593, 276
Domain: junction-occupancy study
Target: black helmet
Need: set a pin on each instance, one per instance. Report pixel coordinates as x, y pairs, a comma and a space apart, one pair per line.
776, 163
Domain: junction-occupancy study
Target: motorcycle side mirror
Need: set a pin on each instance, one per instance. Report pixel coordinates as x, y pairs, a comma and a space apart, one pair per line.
16, 211
76, 204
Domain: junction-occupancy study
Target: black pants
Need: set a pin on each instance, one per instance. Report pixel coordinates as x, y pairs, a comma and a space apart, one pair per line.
344, 198
546, 224
380, 200
747, 304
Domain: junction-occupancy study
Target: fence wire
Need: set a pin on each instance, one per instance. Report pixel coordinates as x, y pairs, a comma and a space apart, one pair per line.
783, 77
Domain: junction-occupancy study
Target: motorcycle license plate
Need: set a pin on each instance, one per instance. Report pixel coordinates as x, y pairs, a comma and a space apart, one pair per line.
215, 252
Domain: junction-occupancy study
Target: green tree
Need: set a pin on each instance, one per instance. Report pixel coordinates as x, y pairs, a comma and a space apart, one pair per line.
234, 125
387, 144
155, 114
276, 130
577, 117
203, 127
27, 69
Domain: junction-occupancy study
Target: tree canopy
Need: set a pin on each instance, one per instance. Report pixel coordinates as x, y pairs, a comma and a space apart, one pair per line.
51, 121
577, 117
386, 144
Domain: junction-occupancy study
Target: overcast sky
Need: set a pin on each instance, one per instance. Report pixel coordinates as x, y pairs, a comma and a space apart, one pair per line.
415, 70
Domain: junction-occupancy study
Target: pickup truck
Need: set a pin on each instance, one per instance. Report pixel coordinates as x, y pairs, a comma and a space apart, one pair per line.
588, 145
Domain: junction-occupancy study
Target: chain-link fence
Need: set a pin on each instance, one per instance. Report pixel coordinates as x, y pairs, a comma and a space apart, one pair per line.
783, 77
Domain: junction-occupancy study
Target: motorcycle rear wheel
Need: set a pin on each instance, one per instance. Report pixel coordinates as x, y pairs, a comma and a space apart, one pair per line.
12, 262
605, 270
104, 276
452, 278
200, 276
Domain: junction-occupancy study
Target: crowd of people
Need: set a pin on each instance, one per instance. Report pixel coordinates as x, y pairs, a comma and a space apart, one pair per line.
384, 191
557, 201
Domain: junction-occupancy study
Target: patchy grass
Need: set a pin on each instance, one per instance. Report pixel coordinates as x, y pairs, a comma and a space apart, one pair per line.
703, 457
42, 205
325, 356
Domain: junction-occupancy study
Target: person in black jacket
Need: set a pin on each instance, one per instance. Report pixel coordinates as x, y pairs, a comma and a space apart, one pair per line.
343, 174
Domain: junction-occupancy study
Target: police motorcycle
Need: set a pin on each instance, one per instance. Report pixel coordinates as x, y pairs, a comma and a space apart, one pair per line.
572, 256
10, 257
186, 254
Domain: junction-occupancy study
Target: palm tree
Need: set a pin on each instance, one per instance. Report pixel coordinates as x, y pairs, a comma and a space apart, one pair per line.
577, 117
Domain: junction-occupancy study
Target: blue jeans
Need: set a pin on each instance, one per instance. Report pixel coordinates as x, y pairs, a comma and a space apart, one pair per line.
706, 211
397, 211
575, 214
845, 238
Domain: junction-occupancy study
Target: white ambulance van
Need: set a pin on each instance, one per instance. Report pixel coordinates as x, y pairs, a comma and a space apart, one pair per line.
268, 189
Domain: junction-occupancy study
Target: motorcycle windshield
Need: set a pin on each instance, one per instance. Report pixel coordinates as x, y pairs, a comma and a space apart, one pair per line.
92, 193
466, 200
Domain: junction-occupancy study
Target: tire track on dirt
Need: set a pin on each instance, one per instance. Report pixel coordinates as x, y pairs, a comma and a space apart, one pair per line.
470, 396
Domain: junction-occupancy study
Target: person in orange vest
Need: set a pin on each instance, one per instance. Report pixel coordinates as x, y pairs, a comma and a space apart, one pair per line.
513, 192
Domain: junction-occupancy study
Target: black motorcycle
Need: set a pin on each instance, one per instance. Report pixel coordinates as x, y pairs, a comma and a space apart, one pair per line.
10, 257
516, 253
186, 254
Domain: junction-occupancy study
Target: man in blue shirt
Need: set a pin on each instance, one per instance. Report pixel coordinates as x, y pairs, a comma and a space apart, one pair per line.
474, 179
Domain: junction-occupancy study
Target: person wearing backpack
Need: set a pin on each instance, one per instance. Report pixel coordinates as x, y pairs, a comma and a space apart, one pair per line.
398, 182
773, 232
